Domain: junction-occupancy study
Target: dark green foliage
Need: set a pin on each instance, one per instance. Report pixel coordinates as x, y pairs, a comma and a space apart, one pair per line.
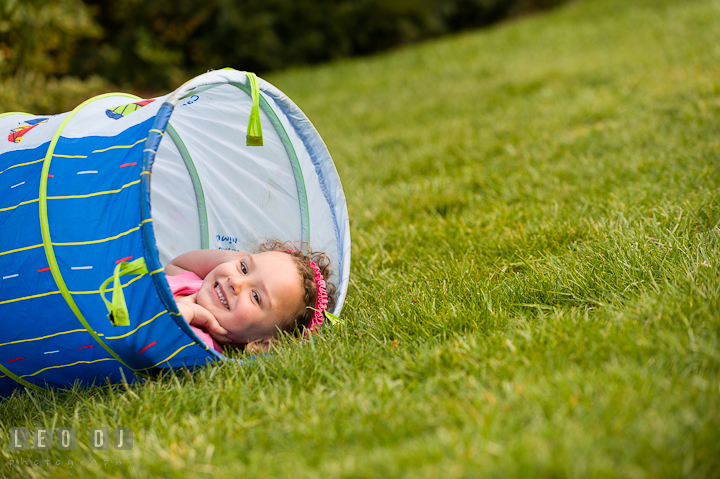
159, 44
67, 50
38, 38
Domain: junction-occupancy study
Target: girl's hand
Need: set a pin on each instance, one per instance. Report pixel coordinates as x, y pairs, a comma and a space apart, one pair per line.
200, 317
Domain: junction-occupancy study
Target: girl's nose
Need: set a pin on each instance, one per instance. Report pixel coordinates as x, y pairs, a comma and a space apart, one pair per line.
236, 283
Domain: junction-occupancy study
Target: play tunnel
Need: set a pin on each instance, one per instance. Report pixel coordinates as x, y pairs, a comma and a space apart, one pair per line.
96, 201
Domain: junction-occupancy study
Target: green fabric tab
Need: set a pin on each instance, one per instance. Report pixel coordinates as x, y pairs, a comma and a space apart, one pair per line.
254, 141
254, 130
333, 319
118, 307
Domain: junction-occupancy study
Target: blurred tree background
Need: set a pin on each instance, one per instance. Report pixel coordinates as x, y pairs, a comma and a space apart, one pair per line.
56, 53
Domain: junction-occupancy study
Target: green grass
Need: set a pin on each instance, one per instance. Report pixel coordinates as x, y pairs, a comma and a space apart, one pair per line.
535, 288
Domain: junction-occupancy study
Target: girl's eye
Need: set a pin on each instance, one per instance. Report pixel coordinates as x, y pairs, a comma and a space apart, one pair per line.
243, 268
257, 298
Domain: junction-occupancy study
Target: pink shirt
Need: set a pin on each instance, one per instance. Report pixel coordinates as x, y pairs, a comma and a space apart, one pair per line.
185, 284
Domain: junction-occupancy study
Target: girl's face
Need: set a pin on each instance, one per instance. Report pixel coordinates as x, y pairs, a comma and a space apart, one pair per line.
253, 296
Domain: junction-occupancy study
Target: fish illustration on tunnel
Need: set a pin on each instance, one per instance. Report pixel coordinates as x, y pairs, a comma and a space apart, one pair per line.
124, 110
17, 135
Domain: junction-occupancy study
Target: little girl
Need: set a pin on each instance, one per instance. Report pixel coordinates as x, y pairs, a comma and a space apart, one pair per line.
247, 300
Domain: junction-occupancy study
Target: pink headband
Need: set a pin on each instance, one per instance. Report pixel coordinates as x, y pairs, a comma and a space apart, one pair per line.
321, 303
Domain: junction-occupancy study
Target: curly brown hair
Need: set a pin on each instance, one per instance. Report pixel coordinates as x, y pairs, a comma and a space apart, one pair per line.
302, 255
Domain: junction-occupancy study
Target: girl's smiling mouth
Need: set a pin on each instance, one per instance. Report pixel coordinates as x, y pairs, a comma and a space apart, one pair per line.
221, 295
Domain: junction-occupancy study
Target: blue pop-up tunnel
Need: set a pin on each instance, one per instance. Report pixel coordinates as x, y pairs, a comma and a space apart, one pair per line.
96, 201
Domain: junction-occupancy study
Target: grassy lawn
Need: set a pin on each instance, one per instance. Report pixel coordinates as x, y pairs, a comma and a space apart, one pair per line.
535, 289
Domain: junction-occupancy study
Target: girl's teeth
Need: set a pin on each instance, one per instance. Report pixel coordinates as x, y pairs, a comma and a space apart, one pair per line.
220, 295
